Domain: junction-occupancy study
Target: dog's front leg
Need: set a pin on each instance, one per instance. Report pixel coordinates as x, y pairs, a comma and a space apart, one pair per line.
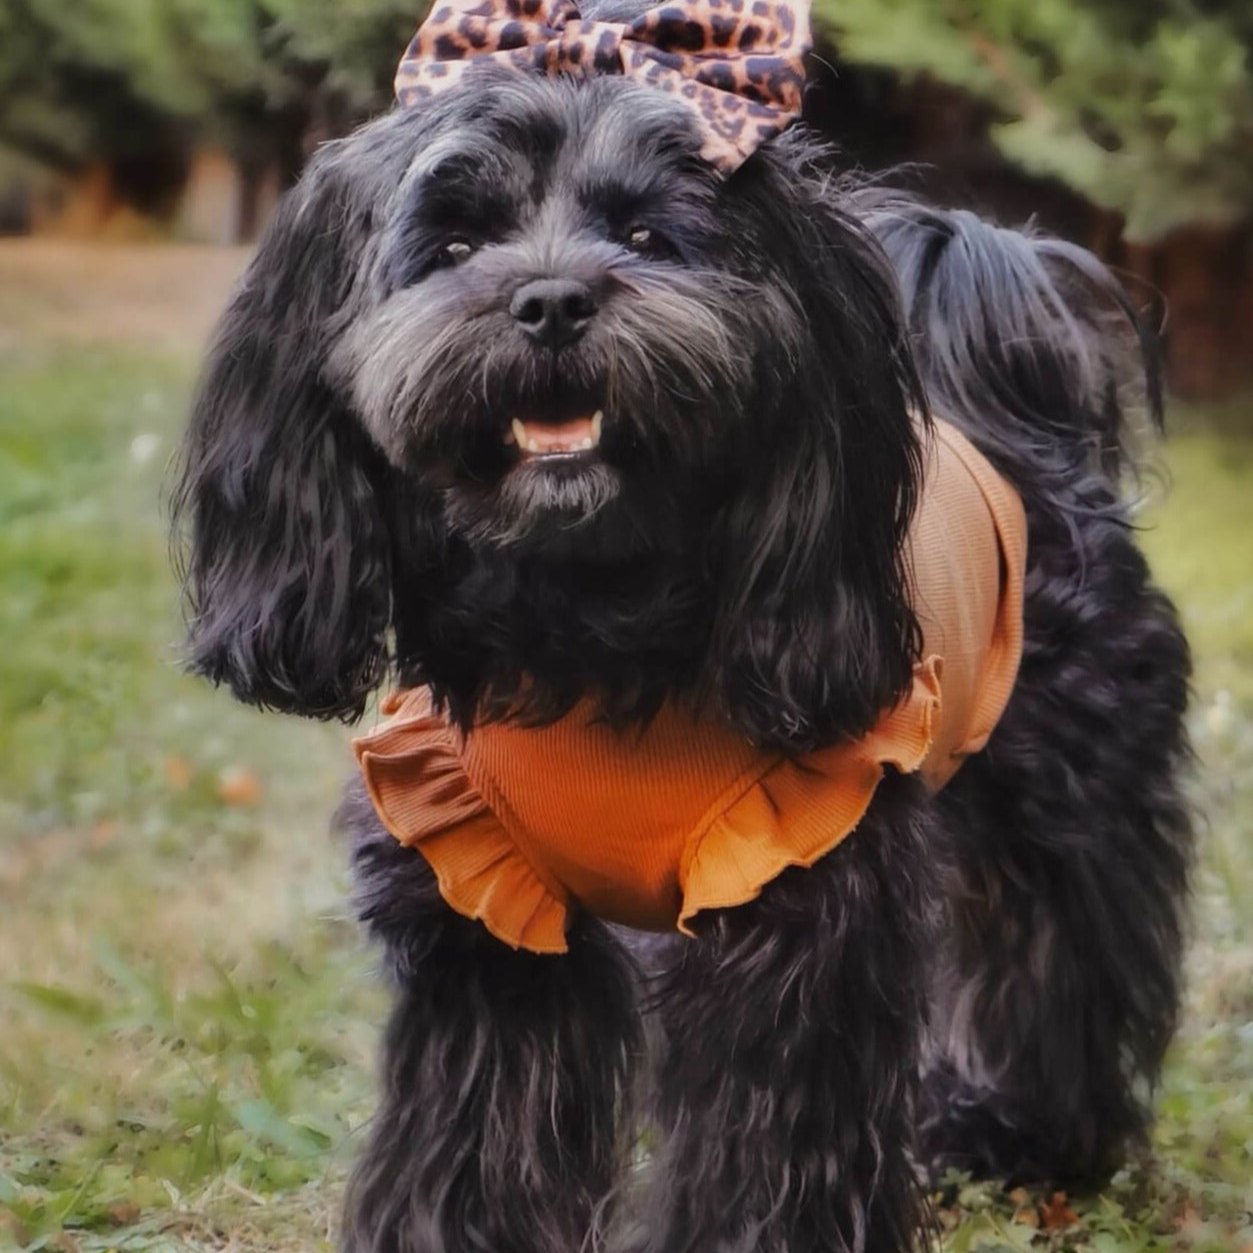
504, 1076
792, 1031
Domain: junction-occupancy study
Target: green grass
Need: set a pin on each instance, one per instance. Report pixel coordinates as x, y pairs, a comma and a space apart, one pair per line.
186, 1020
187, 1017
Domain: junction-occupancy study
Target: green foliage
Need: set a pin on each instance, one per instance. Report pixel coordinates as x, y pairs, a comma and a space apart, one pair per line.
1143, 106
161, 1068
359, 41
96, 78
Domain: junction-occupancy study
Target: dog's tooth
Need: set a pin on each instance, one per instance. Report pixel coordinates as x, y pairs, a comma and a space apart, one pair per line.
518, 430
585, 445
532, 445
598, 423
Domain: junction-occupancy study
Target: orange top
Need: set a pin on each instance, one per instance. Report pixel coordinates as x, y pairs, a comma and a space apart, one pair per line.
649, 827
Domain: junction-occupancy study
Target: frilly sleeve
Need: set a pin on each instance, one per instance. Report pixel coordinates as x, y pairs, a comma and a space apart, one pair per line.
802, 808
414, 776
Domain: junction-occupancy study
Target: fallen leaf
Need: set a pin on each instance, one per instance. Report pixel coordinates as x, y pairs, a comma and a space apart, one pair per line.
1055, 1213
102, 835
13, 1225
179, 773
240, 787
1027, 1216
124, 1214
1189, 1218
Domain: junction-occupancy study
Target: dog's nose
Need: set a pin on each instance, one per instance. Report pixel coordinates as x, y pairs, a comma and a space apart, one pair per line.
554, 311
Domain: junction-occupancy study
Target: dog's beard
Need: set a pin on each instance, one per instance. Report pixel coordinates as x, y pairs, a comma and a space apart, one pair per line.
539, 504
668, 372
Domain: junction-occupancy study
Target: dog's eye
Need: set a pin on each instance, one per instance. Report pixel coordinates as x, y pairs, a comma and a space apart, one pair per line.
648, 242
456, 251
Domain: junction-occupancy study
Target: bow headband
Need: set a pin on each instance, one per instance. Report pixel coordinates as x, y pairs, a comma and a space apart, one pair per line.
737, 64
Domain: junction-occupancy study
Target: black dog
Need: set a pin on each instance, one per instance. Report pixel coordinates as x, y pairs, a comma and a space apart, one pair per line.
986, 978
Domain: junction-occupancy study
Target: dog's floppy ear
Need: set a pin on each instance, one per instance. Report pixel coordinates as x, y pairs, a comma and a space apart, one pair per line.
286, 563
815, 634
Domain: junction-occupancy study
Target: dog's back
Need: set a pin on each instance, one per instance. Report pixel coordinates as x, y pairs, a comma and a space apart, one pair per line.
1027, 342
1058, 989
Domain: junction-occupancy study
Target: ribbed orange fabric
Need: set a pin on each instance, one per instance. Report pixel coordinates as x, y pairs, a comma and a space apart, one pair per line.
648, 828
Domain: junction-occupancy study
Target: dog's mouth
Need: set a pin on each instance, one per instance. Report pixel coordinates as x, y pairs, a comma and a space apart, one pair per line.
556, 432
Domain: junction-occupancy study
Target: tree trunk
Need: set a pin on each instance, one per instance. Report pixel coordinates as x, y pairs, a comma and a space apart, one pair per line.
212, 209
1208, 283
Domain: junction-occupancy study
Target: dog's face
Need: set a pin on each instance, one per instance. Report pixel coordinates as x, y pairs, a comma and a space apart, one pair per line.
521, 377
568, 321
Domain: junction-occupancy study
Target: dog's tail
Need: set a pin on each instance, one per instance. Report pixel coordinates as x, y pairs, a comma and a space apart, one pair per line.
1029, 344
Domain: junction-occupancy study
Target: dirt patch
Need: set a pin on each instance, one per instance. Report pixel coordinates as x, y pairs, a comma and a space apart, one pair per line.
163, 297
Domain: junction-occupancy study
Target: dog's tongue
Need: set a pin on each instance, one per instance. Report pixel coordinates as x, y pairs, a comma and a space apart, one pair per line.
576, 435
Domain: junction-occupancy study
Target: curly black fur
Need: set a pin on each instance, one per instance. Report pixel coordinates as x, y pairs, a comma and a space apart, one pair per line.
794, 1109
765, 358
1059, 989
505, 1075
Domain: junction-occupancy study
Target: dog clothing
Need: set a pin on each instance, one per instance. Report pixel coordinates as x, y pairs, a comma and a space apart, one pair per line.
737, 65
649, 827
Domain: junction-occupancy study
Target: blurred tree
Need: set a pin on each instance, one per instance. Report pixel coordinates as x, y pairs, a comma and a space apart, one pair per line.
122, 81
1143, 106
71, 80
358, 42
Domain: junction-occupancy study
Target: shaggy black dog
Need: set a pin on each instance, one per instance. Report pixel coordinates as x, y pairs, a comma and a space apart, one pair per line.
986, 978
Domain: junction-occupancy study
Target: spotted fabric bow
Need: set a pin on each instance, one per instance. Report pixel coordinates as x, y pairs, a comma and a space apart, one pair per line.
737, 64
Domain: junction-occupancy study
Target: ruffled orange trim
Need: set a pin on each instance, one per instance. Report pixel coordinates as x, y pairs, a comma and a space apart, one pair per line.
800, 810
778, 814
415, 778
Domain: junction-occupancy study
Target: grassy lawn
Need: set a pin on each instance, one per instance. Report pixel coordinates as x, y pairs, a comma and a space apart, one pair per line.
186, 1017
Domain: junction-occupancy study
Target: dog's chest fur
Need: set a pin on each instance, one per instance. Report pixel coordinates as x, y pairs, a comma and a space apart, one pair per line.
651, 826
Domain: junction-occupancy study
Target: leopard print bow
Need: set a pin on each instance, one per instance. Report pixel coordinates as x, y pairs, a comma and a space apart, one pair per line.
737, 64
